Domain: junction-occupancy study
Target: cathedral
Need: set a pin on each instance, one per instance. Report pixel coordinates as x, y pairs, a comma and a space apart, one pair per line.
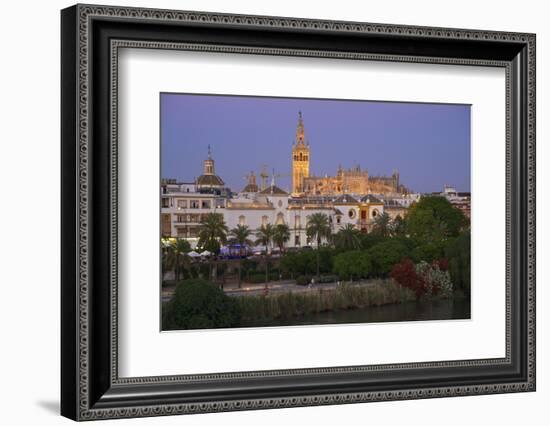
346, 181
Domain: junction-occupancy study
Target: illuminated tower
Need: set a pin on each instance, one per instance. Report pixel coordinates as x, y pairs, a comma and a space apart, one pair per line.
208, 165
209, 181
300, 158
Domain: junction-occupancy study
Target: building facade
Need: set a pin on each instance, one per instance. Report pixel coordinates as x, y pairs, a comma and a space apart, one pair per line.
351, 197
346, 181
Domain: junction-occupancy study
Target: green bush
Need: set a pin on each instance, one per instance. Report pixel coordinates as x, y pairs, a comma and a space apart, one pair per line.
385, 255
428, 252
304, 262
199, 304
458, 254
370, 240
353, 264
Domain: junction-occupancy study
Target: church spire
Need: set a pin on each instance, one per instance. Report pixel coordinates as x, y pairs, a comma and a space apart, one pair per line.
208, 168
300, 131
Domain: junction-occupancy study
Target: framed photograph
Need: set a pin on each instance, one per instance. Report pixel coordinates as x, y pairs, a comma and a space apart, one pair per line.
263, 212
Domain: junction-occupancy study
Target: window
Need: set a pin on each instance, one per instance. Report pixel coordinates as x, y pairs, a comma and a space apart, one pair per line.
182, 204
297, 221
338, 219
297, 240
265, 220
351, 213
194, 204
374, 213
280, 219
165, 202
182, 232
242, 220
205, 204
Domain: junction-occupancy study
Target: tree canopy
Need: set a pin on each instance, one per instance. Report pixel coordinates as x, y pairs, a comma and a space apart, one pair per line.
348, 238
199, 304
434, 218
386, 254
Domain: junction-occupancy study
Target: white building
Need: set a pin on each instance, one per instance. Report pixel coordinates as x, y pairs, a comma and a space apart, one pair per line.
184, 205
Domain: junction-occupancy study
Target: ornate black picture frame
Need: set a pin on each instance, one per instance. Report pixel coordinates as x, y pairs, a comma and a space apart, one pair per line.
91, 387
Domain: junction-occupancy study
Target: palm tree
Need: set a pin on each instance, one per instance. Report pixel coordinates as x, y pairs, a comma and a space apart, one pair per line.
382, 225
175, 256
212, 233
281, 235
348, 238
239, 235
264, 236
317, 228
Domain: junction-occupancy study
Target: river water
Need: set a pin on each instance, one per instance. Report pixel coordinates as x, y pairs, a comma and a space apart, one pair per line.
411, 311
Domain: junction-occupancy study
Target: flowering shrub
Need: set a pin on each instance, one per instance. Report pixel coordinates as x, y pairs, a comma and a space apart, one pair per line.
435, 280
425, 279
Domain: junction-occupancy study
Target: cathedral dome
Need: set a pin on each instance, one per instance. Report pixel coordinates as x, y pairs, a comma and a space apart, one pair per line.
209, 178
251, 185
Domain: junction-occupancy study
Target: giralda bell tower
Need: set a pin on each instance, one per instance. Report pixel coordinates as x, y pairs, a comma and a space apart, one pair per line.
300, 159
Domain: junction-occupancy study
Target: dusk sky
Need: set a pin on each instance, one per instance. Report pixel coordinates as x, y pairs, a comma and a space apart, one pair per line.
429, 144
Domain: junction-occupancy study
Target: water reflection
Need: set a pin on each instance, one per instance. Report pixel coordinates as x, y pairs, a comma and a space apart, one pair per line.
413, 311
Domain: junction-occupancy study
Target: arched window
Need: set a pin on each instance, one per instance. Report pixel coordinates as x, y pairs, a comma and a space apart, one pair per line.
297, 221
265, 220
300, 156
280, 219
242, 220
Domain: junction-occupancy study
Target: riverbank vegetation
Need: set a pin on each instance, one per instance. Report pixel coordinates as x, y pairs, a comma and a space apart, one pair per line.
256, 310
201, 304
422, 256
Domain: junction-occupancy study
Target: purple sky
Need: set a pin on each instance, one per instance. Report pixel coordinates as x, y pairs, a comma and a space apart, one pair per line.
428, 143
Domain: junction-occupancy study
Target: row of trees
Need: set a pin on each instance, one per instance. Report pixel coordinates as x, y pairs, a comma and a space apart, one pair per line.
214, 233
432, 229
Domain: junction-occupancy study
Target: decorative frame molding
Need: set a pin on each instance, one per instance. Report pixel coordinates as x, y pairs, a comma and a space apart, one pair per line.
91, 37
